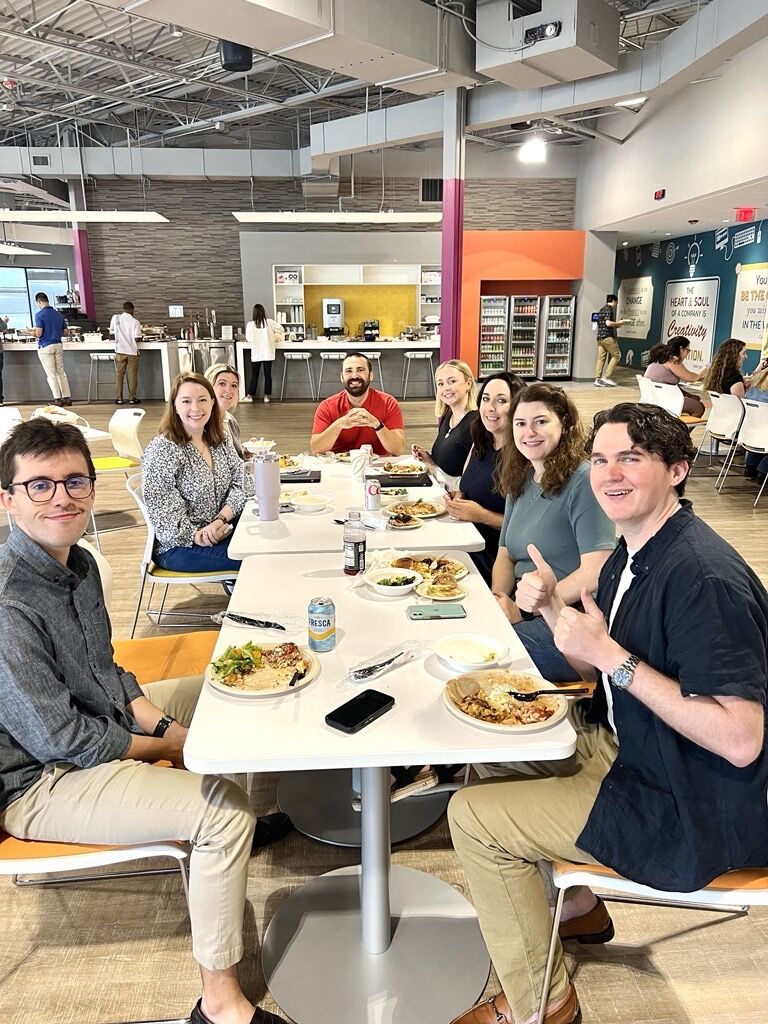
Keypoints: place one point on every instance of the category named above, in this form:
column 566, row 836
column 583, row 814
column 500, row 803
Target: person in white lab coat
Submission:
column 262, row 334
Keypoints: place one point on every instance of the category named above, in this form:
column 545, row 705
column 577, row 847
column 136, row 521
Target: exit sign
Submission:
column 744, row 214
column 660, row 193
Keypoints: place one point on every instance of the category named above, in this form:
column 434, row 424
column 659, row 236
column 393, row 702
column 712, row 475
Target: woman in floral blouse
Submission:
column 192, row 481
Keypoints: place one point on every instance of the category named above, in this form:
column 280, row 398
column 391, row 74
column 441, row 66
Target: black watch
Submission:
column 162, row 726
column 380, row 427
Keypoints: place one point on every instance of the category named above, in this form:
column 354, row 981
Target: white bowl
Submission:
column 470, row 651
column 373, row 576
column 310, row 502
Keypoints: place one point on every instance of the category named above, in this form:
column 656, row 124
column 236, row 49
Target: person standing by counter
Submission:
column 127, row 330
column 262, row 334
column 4, row 321
column 49, row 327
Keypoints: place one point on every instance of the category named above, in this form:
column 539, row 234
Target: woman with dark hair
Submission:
column 262, row 334
column 666, row 365
column 724, row 375
column 550, row 504
column 478, row 499
column 192, row 481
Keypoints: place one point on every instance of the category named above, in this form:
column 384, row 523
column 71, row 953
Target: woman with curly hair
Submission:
column 724, row 375
column 549, row 504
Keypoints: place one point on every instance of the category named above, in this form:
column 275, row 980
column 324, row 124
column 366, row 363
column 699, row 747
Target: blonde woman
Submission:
column 455, row 412
column 226, row 384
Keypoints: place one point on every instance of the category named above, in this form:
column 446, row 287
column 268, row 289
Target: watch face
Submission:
column 621, row 678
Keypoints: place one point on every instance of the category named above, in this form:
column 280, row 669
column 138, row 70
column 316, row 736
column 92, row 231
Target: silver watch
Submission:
column 622, row 676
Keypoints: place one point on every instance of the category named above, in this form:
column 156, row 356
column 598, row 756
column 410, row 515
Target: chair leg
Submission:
column 162, row 605
column 282, row 386
column 432, row 378
column 381, row 375
column 90, row 378
column 726, row 467
column 138, row 604
column 762, row 488
column 406, row 374
column 320, row 377
column 554, row 941
column 95, row 530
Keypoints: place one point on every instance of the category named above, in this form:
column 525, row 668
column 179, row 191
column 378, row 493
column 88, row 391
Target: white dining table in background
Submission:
column 375, row 944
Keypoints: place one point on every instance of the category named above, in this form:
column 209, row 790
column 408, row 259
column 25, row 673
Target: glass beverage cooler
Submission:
column 556, row 337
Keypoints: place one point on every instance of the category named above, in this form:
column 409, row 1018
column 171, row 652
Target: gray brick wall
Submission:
column 194, row 260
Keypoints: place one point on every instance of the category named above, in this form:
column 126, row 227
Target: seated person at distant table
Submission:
column 358, row 414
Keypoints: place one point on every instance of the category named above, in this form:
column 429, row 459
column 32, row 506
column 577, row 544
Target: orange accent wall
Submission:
column 535, row 256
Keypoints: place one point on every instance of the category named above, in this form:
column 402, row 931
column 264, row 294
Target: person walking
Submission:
column 49, row 327
column 126, row 330
column 607, row 347
column 262, row 334
column 4, row 322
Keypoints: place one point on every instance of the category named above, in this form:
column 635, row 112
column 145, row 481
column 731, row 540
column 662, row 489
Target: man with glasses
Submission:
column 79, row 738
column 358, row 414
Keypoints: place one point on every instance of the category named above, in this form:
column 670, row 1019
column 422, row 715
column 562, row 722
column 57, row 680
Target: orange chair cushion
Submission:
column 36, row 849
column 744, row 878
column 153, row 658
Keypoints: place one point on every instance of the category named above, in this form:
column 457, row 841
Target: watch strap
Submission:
column 162, row 726
column 380, row 427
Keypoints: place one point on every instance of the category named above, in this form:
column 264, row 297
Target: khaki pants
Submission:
column 608, row 354
column 501, row 830
column 52, row 358
column 130, row 363
column 132, row 802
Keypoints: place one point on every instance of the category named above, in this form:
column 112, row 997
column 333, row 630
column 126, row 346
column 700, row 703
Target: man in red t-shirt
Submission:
column 358, row 415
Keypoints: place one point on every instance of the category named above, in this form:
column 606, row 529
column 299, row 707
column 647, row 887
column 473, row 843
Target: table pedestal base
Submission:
column 320, row 805
column 317, row 969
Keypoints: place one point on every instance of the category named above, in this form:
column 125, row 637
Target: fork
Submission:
column 530, row 695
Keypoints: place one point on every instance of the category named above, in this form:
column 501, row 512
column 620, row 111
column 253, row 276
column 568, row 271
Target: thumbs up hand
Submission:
column 535, row 589
column 584, row 635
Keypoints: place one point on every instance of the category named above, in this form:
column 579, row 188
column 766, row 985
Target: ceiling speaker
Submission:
column 235, row 57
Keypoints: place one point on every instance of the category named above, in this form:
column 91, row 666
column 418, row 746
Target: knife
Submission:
column 245, row 620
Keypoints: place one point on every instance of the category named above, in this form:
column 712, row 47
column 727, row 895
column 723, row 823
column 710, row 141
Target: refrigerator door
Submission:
column 523, row 332
column 494, row 321
column 556, row 337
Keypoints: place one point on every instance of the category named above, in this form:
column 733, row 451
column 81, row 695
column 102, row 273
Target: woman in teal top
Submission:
column 549, row 503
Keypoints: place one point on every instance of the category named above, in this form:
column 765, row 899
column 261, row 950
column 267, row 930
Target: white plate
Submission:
column 404, row 526
column 373, row 575
column 558, row 716
column 312, row 673
column 422, row 588
column 464, row 651
column 439, row 508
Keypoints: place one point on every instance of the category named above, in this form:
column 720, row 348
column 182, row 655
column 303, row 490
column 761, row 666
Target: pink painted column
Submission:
column 454, row 120
column 83, row 270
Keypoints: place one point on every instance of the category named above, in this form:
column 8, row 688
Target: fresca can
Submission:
column 372, row 495
column 322, row 624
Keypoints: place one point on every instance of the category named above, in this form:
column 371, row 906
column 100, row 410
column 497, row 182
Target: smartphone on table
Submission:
column 425, row 612
column 363, row 709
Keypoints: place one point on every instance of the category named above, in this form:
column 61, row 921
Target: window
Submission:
column 52, row 282
column 18, row 287
column 431, row 190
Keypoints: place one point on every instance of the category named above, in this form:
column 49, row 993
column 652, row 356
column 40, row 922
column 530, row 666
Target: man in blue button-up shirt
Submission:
column 49, row 328
column 79, row 737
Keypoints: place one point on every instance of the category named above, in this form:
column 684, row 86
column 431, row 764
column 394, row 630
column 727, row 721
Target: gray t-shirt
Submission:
column 563, row 527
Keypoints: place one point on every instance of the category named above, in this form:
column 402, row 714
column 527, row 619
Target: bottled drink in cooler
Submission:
column 354, row 545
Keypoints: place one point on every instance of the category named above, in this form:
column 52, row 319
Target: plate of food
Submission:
column 392, row 582
column 403, row 468
column 468, row 652
column 429, row 565
column 482, row 699
column 262, row 670
column 394, row 492
column 419, row 508
column 310, row 502
column 402, row 521
column 342, row 456
column 291, row 463
column 442, row 586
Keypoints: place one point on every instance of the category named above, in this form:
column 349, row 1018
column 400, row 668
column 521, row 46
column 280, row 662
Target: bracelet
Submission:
column 380, row 427
column 222, row 518
column 162, row 726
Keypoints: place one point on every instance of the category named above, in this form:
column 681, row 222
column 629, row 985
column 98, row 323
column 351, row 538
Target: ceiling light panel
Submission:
column 19, row 250
column 337, row 217
column 82, row 216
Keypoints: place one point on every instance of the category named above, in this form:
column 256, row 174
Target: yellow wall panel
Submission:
column 395, row 306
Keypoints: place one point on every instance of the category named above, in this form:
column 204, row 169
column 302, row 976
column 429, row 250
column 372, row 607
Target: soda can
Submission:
column 372, row 495
column 321, row 624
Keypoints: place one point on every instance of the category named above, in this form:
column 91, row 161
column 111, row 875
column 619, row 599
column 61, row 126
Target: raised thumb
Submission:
column 589, row 605
column 537, row 558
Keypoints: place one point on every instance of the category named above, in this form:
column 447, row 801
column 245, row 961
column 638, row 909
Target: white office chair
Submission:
column 723, row 424
column 647, row 396
column 334, row 357
column 124, row 434
column 753, row 437
column 166, row 577
column 9, row 417
column 298, row 357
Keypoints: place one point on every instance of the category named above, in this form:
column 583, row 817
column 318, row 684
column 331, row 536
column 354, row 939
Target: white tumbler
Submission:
column 266, row 485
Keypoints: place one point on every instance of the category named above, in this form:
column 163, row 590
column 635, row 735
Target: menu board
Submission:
column 750, row 307
column 690, row 311
column 635, row 306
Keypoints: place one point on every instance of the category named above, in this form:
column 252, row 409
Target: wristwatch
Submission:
column 380, row 427
column 162, row 726
column 622, row 676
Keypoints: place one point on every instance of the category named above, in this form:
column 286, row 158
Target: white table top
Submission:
column 297, row 532
column 353, row 345
column 285, row 733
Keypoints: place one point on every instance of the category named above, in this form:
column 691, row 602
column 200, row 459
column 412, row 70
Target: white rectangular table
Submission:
column 419, row 935
column 297, row 532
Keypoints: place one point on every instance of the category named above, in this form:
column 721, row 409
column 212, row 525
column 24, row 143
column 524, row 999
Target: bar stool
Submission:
column 336, row 357
column 409, row 358
column 375, row 357
column 97, row 360
column 298, row 357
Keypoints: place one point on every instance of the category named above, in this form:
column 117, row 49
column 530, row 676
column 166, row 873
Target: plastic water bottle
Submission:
column 354, row 545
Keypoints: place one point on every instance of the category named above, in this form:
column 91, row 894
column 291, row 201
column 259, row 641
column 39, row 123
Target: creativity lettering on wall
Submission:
column 750, row 306
column 635, row 306
column 690, row 311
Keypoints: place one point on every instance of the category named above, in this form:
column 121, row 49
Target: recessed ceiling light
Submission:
column 83, row 216
column 636, row 102
column 667, row 234
column 533, row 151
column 337, row 217
column 726, row 222
column 625, row 243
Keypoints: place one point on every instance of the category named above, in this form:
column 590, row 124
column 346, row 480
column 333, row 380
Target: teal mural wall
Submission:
column 712, row 254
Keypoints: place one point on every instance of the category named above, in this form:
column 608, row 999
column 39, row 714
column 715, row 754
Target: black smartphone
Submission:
column 363, row 709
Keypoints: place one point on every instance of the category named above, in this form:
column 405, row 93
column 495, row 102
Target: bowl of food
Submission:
column 256, row 445
column 309, row 502
column 392, row 582
column 469, row 651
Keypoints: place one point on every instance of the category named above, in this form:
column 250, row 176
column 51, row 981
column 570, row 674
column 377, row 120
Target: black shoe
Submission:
column 749, row 473
column 270, row 828
column 66, row 401
column 118, row 401
column 135, row 401
column 260, row 1016
column 58, row 401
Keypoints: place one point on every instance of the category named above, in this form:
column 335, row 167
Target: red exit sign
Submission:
column 744, row 214
column 660, row 193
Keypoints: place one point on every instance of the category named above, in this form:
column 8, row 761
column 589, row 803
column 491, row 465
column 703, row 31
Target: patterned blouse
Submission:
column 182, row 494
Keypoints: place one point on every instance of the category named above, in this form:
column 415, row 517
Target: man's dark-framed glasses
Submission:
column 41, row 489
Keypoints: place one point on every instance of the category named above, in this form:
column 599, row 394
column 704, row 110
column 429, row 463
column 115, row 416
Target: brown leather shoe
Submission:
column 496, row 1011
column 592, row 928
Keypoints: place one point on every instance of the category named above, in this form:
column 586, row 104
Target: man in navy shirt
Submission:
column 49, row 327
column 668, row 782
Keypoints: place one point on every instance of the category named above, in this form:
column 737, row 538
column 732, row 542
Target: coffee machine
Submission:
column 333, row 316
column 371, row 330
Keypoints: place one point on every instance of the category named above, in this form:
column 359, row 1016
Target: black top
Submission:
column 608, row 312
column 451, row 446
column 477, row 485
column 729, row 379
column 669, row 813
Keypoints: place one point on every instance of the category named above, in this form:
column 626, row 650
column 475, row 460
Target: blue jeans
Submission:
column 537, row 639
column 755, row 462
column 198, row 559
